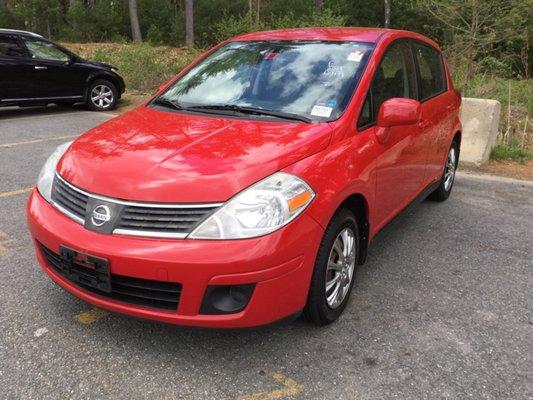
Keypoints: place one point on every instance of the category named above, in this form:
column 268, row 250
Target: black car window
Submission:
column 45, row 51
column 10, row 47
column 395, row 77
column 431, row 69
column 365, row 117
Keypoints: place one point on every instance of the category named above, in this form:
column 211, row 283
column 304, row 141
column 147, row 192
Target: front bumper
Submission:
column 280, row 265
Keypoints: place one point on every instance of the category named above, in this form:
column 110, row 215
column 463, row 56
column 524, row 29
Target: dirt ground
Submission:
column 508, row 169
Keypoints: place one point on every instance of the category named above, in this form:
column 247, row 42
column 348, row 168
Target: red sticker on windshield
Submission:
column 271, row 56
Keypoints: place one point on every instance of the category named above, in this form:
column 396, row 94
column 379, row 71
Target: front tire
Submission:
column 102, row 95
column 335, row 267
column 448, row 176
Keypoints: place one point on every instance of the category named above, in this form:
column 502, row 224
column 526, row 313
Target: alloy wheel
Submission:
column 451, row 166
column 340, row 269
column 102, row 96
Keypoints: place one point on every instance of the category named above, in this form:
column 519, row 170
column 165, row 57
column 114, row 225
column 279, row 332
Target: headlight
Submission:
column 46, row 176
column 262, row 208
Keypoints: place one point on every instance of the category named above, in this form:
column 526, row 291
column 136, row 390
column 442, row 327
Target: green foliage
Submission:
column 103, row 21
column 233, row 25
column 143, row 66
column 511, row 152
column 325, row 17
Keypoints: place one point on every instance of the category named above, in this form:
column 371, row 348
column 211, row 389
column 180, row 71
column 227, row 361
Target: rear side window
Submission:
column 10, row 47
column 395, row 77
column 432, row 79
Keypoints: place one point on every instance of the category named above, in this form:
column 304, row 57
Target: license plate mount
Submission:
column 85, row 269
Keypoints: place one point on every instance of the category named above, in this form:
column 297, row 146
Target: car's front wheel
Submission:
column 334, row 272
column 102, row 95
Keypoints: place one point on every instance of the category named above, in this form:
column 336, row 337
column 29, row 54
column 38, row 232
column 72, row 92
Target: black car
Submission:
column 36, row 71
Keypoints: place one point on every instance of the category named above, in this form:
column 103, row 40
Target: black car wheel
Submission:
column 335, row 267
column 102, row 95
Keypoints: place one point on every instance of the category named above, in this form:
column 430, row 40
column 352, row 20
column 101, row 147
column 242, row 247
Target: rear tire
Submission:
column 448, row 176
column 102, row 95
column 334, row 270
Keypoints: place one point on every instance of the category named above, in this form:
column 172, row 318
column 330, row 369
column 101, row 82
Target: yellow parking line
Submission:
column 15, row 192
column 3, row 236
column 9, row 145
column 290, row 388
column 88, row 317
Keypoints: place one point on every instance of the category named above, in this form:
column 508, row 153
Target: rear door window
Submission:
column 10, row 47
column 431, row 70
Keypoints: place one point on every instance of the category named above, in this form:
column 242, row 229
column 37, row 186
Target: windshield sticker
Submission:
column 320, row 110
column 331, row 103
column 334, row 70
column 355, row 56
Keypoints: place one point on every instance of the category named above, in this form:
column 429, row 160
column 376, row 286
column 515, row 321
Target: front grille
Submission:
column 179, row 220
column 132, row 218
column 69, row 199
column 141, row 292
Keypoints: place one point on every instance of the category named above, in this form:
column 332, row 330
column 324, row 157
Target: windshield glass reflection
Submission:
column 313, row 79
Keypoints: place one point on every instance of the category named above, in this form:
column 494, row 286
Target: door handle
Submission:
column 40, row 67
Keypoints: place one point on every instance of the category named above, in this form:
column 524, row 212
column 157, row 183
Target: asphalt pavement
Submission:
column 443, row 309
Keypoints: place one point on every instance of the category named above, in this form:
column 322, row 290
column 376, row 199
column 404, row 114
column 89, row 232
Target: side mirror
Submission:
column 396, row 112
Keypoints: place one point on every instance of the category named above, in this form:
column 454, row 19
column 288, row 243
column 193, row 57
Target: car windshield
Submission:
column 307, row 80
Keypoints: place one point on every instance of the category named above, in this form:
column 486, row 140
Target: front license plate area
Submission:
column 85, row 269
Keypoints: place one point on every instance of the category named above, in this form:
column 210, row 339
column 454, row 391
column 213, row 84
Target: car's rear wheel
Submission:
column 335, row 267
column 102, row 95
column 448, row 176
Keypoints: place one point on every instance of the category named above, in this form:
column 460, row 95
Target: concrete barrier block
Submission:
column 480, row 119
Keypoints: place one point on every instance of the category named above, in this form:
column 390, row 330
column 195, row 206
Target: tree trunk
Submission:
column 134, row 21
column 319, row 4
column 189, row 23
column 386, row 5
column 3, row 5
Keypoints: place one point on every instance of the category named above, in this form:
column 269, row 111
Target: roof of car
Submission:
column 370, row 35
column 17, row 32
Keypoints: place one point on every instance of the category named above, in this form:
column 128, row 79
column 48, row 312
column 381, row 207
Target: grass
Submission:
column 511, row 152
column 144, row 67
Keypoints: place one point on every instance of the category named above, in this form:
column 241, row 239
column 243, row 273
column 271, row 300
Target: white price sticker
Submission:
column 321, row 111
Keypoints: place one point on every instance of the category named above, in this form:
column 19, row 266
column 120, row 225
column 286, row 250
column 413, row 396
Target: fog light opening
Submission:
column 226, row 299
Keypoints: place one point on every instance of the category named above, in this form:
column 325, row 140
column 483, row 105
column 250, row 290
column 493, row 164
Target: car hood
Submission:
column 98, row 64
column 159, row 156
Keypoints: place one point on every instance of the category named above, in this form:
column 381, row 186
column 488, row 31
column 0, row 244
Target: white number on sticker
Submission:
column 321, row 111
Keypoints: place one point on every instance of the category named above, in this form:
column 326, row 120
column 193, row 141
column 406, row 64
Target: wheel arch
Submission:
column 358, row 205
column 457, row 136
column 106, row 77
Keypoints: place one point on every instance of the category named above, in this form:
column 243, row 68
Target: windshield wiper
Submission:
column 252, row 110
column 161, row 101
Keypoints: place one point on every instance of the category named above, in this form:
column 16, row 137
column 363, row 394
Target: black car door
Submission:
column 15, row 70
column 54, row 72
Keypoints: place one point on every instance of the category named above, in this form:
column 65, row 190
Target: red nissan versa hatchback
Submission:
column 248, row 188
